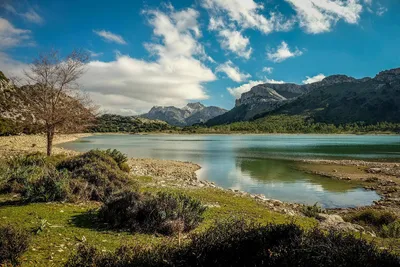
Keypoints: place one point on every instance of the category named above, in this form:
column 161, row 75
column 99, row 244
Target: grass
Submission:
column 68, row 224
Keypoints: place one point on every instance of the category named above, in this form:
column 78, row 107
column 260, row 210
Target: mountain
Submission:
column 368, row 100
column 192, row 113
column 335, row 99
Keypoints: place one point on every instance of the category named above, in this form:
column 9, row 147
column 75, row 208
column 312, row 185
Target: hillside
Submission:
column 192, row 113
column 365, row 100
column 337, row 99
column 129, row 124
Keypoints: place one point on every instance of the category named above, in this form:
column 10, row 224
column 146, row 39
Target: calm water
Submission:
column 259, row 163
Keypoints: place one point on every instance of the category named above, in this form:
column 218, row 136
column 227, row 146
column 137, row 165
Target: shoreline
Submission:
column 370, row 175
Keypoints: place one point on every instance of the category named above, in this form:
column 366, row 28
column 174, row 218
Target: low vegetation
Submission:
column 312, row 211
column 240, row 243
column 162, row 213
column 384, row 223
column 295, row 124
column 13, row 243
column 94, row 175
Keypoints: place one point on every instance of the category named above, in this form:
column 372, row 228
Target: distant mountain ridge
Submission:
column 192, row 113
column 323, row 100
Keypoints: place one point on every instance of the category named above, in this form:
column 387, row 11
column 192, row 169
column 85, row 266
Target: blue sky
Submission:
column 152, row 52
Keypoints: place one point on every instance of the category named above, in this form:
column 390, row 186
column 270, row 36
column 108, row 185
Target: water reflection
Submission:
column 257, row 164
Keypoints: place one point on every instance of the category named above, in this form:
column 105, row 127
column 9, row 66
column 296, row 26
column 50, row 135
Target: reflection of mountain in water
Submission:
column 270, row 170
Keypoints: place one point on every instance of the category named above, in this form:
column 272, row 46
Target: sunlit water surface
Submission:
column 259, row 163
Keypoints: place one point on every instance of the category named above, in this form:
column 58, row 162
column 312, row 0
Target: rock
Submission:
column 336, row 222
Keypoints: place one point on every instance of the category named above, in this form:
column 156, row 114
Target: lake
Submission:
column 261, row 163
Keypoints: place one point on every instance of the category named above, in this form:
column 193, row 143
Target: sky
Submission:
column 151, row 52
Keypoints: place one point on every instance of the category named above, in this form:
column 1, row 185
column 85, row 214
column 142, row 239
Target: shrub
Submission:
column 375, row 218
column 13, row 243
column 163, row 213
column 238, row 243
column 118, row 156
column 99, row 172
column 52, row 186
column 312, row 211
column 391, row 230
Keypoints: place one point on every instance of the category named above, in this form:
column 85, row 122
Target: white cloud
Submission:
column 233, row 72
column 381, row 10
column 268, row 69
column 94, row 54
column 130, row 86
column 110, row 37
column 235, row 42
column 11, row 36
column 238, row 91
column 314, row 79
column 229, row 18
column 282, row 53
column 248, row 14
column 317, row 16
column 31, row 15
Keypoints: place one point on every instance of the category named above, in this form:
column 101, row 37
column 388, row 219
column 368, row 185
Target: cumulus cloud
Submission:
column 248, row 14
column 268, row 70
column 229, row 18
column 110, row 37
column 282, row 52
column 317, row 16
column 238, row 91
column 233, row 72
column 31, row 15
column 235, row 42
column 314, row 79
column 131, row 86
column 11, row 36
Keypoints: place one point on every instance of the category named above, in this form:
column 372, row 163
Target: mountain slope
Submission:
column 336, row 99
column 268, row 97
column 192, row 113
column 364, row 100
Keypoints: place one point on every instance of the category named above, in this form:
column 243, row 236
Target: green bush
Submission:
column 101, row 173
column 163, row 213
column 52, row 186
column 118, row 156
column 13, row 243
column 312, row 211
column 238, row 243
column 391, row 230
column 94, row 175
column 375, row 218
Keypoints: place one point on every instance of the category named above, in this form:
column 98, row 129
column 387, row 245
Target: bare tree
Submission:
column 52, row 96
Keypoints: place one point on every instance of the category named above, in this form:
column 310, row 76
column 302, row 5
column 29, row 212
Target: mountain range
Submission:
column 192, row 113
column 336, row 99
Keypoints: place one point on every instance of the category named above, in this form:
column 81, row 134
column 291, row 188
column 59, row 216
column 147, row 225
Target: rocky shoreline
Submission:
column 380, row 176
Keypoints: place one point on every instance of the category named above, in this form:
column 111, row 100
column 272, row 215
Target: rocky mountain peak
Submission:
column 388, row 75
column 194, row 107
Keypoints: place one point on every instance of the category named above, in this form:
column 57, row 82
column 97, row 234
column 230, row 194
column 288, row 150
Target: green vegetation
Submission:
column 295, row 124
column 312, row 211
column 13, row 243
column 94, row 175
column 110, row 123
column 164, row 213
column 240, row 243
column 61, row 229
column 384, row 223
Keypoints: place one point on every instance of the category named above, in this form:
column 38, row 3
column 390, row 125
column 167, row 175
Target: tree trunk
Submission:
column 50, row 136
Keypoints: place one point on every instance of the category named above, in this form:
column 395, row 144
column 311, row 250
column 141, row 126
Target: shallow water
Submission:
column 259, row 163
